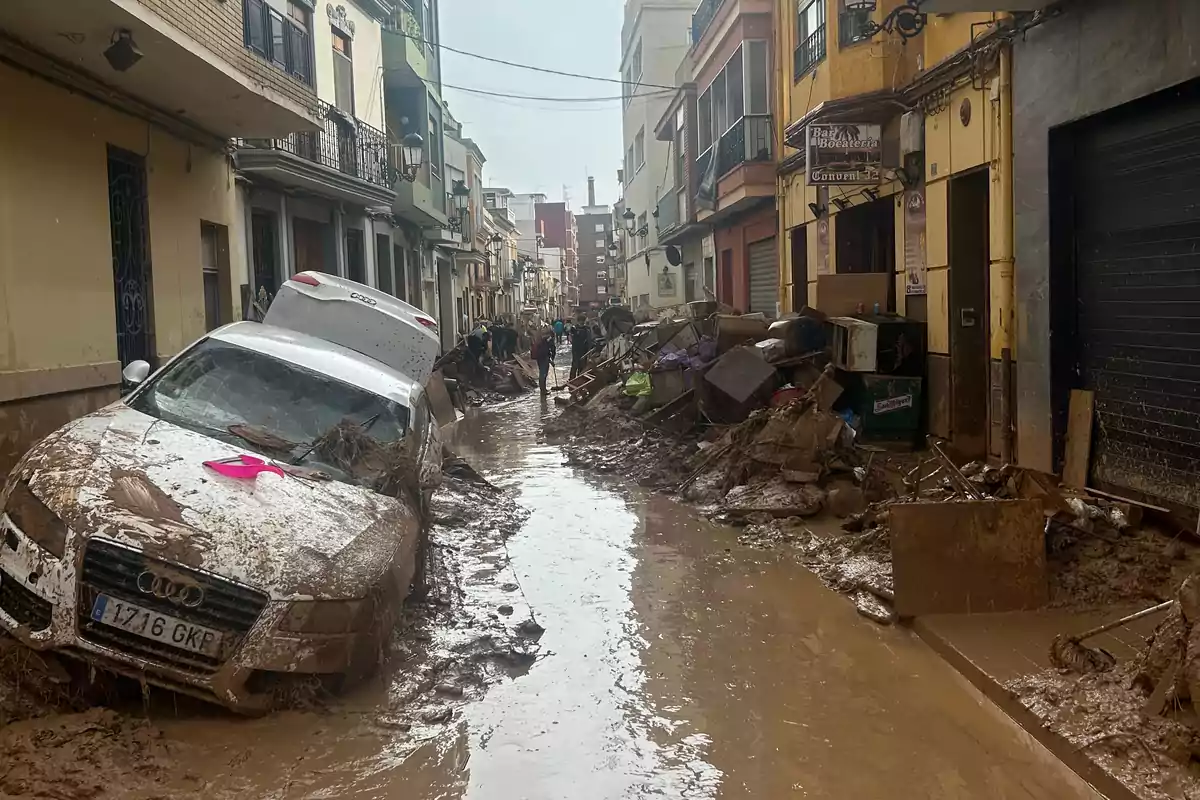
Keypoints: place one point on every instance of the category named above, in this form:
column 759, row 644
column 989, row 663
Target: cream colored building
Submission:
column 121, row 232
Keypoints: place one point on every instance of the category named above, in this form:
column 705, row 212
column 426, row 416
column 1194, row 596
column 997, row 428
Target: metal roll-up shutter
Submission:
column 764, row 277
column 1136, row 179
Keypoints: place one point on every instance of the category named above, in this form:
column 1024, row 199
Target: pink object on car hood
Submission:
column 243, row 467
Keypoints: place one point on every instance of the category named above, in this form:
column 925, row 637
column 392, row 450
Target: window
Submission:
column 629, row 165
column 435, row 147
column 343, row 72
column 599, row 259
column 600, row 244
column 704, row 121
column 757, row 80
column 600, row 228
column 735, row 83
column 633, row 74
column 852, row 25
column 602, row 289
column 810, row 35
column 639, row 149
column 285, row 41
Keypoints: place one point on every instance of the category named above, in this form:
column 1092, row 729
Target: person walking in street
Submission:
column 581, row 345
column 559, row 327
column 543, row 353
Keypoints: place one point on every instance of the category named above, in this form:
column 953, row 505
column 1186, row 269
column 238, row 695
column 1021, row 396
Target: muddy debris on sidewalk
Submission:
column 78, row 733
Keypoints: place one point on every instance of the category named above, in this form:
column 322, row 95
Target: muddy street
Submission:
column 674, row 663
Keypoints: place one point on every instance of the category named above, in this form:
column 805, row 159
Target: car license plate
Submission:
column 156, row 626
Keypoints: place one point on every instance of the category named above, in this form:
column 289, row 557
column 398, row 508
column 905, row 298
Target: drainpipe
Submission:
column 1002, row 337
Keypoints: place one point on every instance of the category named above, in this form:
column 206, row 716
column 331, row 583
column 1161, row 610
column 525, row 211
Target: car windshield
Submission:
column 250, row 399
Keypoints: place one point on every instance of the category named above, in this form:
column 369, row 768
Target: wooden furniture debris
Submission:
column 968, row 557
column 1079, row 438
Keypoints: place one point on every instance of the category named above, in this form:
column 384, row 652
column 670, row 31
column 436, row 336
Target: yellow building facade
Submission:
column 943, row 204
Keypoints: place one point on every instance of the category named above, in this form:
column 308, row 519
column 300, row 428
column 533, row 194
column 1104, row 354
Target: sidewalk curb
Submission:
column 1058, row 746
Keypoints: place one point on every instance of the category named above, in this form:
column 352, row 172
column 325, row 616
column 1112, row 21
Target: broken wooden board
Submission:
column 976, row 556
column 1079, row 438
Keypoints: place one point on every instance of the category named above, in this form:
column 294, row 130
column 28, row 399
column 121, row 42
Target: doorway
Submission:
column 356, row 262
column 969, row 356
column 312, row 241
column 130, row 227
column 799, row 267
column 725, row 292
column 264, row 252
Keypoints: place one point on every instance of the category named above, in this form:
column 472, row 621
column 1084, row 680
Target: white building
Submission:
column 654, row 40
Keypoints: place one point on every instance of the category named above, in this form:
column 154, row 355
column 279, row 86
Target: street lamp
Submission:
column 497, row 244
column 461, row 196
column 630, row 220
column 412, row 154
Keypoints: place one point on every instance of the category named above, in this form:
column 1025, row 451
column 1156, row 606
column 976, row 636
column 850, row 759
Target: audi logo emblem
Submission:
column 368, row 300
column 188, row 595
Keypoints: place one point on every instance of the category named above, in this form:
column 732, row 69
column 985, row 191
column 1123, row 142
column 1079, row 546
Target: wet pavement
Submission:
column 674, row 664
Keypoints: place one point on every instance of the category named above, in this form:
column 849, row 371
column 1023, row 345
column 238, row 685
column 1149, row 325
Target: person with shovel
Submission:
column 543, row 353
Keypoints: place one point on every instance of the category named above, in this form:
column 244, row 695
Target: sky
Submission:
column 534, row 146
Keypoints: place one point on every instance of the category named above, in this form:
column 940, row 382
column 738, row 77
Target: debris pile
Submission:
column 772, row 428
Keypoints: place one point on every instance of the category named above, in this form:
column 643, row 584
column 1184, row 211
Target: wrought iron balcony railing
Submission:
column 748, row 140
column 346, row 144
column 810, row 52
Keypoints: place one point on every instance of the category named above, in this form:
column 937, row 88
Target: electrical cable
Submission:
column 546, row 70
column 489, row 93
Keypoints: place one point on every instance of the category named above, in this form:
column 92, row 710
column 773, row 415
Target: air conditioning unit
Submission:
column 912, row 133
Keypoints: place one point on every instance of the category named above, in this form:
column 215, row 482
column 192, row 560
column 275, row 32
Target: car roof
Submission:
column 321, row 356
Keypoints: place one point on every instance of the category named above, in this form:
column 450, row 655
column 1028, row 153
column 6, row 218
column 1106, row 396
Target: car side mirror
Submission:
column 135, row 373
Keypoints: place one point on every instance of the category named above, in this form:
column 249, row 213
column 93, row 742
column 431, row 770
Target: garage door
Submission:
column 764, row 277
column 1137, row 255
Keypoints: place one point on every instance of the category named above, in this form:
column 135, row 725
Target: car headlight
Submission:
column 325, row 616
column 35, row 520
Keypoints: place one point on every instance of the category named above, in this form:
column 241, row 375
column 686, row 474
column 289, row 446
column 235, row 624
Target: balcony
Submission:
column 745, row 169
column 705, row 13
column 749, row 140
column 194, row 64
column 809, row 52
column 347, row 159
column 666, row 215
column 407, row 60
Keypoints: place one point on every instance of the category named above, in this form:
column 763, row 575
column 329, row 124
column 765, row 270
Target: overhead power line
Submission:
column 533, row 68
column 511, row 96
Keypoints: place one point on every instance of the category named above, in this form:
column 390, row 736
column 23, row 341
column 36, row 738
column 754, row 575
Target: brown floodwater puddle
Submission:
column 674, row 664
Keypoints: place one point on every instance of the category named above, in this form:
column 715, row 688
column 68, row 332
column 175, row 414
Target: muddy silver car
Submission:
column 250, row 513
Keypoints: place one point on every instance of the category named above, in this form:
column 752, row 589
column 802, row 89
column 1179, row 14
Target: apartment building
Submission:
column 594, row 224
column 321, row 200
column 654, row 38
column 123, row 235
column 717, row 205
column 560, row 248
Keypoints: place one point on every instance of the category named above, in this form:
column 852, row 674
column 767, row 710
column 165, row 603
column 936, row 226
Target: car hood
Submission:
column 127, row 476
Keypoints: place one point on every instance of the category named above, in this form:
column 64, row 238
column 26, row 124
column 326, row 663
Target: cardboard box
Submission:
column 842, row 295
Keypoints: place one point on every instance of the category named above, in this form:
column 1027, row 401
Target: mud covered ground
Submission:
column 105, row 738
column 1102, row 715
column 853, row 555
